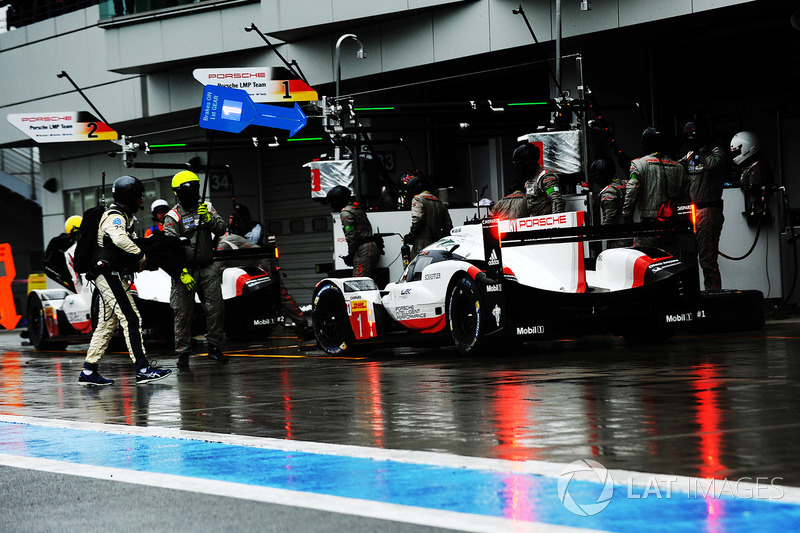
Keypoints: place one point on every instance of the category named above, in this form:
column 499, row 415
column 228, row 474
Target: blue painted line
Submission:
column 511, row 495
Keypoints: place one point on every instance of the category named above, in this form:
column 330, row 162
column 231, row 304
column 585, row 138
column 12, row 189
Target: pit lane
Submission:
column 720, row 406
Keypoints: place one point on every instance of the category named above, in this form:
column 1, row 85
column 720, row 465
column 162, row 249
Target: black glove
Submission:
column 348, row 259
column 408, row 239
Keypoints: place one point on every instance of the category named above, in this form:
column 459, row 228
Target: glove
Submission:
column 142, row 263
column 202, row 212
column 408, row 239
column 348, row 259
column 187, row 280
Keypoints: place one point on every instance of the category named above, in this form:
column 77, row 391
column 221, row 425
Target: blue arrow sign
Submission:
column 232, row 110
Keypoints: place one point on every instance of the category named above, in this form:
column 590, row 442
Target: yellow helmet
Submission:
column 184, row 176
column 73, row 223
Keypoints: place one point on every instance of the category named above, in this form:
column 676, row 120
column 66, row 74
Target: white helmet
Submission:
column 743, row 145
column 158, row 203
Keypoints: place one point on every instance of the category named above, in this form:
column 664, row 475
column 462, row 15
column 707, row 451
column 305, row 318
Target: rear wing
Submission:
column 564, row 228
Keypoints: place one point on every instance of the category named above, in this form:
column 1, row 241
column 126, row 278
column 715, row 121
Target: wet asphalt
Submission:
column 721, row 405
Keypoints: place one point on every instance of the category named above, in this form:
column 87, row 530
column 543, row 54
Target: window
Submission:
column 77, row 201
column 297, row 226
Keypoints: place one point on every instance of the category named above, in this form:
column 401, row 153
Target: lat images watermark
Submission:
column 588, row 499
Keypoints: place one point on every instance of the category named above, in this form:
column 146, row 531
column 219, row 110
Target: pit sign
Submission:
column 270, row 84
column 64, row 126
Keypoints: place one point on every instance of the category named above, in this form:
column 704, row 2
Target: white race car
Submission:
column 528, row 279
column 252, row 299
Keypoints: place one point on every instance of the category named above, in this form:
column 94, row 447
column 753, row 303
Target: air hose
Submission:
column 753, row 247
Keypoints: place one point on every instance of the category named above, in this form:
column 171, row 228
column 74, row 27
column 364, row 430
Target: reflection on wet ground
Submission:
column 706, row 406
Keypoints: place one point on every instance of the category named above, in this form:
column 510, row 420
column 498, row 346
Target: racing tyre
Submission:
column 37, row 328
column 330, row 321
column 464, row 316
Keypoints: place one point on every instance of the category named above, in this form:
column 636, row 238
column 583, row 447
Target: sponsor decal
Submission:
column 405, row 292
column 436, row 275
column 406, row 312
column 496, row 313
column 538, row 222
column 263, row 321
column 530, row 330
column 661, row 265
column 236, row 75
column 493, row 261
column 358, row 305
column 494, row 288
column 680, row 317
column 117, row 221
column 68, row 118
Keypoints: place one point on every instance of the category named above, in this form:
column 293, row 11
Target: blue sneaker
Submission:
column 150, row 373
column 94, row 378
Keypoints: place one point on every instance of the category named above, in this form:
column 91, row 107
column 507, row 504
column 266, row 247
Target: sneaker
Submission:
column 94, row 379
column 149, row 373
column 216, row 354
column 183, row 361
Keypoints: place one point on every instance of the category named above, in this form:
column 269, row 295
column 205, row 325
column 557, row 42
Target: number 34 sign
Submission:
column 220, row 182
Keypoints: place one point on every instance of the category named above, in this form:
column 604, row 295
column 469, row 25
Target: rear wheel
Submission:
column 37, row 327
column 464, row 316
column 330, row 321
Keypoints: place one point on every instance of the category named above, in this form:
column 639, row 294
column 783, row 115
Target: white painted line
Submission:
column 306, row 500
column 680, row 484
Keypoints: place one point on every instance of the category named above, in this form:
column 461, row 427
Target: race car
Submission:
column 526, row 279
column 251, row 294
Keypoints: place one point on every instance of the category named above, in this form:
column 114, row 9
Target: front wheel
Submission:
column 464, row 316
column 330, row 321
column 37, row 327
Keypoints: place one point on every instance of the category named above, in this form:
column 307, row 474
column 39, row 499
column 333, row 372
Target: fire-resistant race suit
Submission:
column 612, row 198
column 755, row 180
column 120, row 254
column 430, row 221
column 199, row 250
column 655, row 179
column 362, row 250
column 543, row 194
column 705, row 170
column 513, row 205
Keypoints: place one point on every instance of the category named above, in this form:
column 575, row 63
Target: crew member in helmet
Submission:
column 542, row 187
column 55, row 260
column 363, row 252
column 512, row 205
column 240, row 223
column 655, row 180
column 159, row 209
column 430, row 218
column 118, row 256
column 611, row 197
column 199, row 225
column 756, row 177
column 705, row 168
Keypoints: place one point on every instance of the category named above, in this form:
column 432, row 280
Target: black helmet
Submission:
column 242, row 212
column 652, row 140
column 602, row 170
column 526, row 158
column 239, row 221
column 128, row 192
column 338, row 197
column 694, row 133
column 415, row 185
